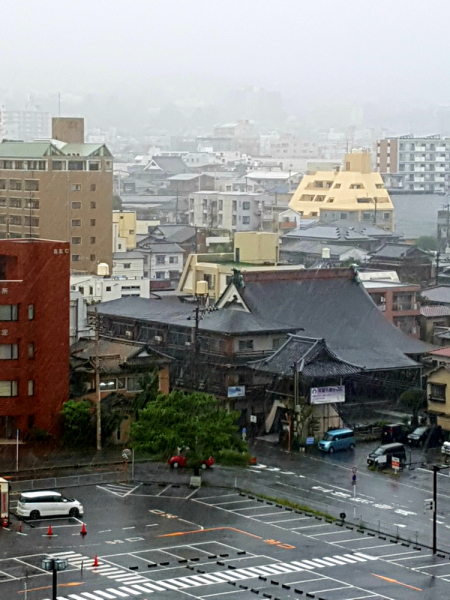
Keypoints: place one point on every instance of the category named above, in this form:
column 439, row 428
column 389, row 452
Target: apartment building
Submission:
column 415, row 164
column 59, row 189
column 26, row 125
column 34, row 334
column 354, row 193
column 124, row 230
column 233, row 211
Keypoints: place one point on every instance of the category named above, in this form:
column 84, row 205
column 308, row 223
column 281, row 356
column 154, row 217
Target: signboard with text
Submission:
column 4, row 503
column 328, row 395
column 236, row 391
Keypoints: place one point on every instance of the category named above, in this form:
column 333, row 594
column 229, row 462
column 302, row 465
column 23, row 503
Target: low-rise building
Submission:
column 355, row 193
column 162, row 260
column 124, row 230
column 410, row 262
column 309, row 253
column 438, row 396
column 434, row 319
column 95, row 289
column 129, row 264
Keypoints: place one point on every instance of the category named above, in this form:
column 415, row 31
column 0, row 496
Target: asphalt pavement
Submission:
column 171, row 541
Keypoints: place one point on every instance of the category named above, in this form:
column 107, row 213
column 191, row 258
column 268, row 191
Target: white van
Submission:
column 47, row 504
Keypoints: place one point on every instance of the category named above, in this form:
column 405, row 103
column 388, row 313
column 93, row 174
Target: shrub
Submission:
column 232, row 458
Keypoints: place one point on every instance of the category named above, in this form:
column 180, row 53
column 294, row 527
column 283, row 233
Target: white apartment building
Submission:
column 415, row 164
column 162, row 260
column 94, row 288
column 128, row 264
column 234, row 211
column 283, row 145
column 27, row 125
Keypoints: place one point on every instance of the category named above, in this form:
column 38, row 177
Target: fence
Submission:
column 68, row 481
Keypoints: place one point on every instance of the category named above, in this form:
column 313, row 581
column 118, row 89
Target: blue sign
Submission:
column 309, row 441
column 354, row 478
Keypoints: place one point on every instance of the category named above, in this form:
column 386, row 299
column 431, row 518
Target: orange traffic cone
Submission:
column 83, row 530
column 49, row 532
column 95, row 561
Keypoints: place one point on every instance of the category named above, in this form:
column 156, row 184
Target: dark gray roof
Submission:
column 342, row 230
column 176, row 234
column 311, row 357
column 163, row 247
column 339, row 310
column 398, row 251
column 170, row 311
column 439, row 294
column 171, row 165
column 309, row 247
column 127, row 254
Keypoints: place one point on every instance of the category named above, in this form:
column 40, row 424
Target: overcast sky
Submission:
column 313, row 50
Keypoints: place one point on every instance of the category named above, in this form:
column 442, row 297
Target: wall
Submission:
column 256, row 247
column 68, row 129
column 126, row 221
column 441, row 376
column 40, row 277
column 136, row 268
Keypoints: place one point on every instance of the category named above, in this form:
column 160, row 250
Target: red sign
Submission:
column 4, row 504
column 395, row 462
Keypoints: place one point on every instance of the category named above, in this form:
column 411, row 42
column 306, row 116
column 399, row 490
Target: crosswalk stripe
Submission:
column 302, row 565
column 334, row 560
column 117, row 592
column 168, row 585
column 91, row 596
column 365, row 556
column 142, row 589
column 152, row 585
column 280, row 569
column 130, row 591
column 347, row 560
column 104, row 594
column 77, row 597
column 358, row 558
column 313, row 564
column 326, row 563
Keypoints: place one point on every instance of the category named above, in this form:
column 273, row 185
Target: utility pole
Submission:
column 435, row 472
column 438, row 255
column 98, row 406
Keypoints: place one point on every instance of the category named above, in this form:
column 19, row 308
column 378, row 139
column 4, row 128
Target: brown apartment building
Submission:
column 59, row 189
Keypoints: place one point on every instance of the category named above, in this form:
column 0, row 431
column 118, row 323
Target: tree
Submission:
column 193, row 422
column 78, row 423
column 414, row 399
column 428, row 243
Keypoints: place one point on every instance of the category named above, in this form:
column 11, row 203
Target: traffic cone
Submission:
column 95, row 561
column 83, row 530
column 5, row 522
column 49, row 532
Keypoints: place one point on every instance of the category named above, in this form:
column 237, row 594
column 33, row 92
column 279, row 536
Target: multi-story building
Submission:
column 102, row 289
column 283, row 145
column 59, row 189
column 124, row 230
column 415, row 164
column 233, row 211
column 355, row 193
column 34, row 334
column 27, row 125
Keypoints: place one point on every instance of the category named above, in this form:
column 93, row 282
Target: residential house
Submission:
column 123, row 366
column 129, row 264
column 162, row 260
column 309, row 253
column 186, row 183
column 354, row 193
column 439, row 294
column 434, row 319
column 438, row 396
column 187, row 237
column 410, row 262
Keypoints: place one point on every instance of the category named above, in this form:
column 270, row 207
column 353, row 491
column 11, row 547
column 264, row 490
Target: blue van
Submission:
column 337, row 439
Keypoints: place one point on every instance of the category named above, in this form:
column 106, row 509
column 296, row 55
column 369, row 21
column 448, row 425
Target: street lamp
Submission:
column 431, row 504
column 54, row 565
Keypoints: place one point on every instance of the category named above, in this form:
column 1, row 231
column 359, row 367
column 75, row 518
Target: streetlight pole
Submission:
column 435, row 472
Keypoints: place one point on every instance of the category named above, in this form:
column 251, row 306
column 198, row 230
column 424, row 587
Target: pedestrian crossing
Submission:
column 117, row 574
column 119, row 489
column 260, row 572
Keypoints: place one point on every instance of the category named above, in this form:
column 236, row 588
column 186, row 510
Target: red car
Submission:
column 181, row 461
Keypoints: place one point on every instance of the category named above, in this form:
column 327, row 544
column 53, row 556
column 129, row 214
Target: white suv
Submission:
column 45, row 504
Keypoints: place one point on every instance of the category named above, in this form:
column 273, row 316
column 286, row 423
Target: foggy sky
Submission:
column 309, row 50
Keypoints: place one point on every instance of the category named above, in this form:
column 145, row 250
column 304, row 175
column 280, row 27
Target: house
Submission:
column 308, row 253
column 439, row 294
column 438, row 396
column 432, row 320
column 123, row 366
column 187, row 237
column 185, row 183
column 124, row 230
column 163, row 167
column 410, row 262
column 128, row 264
column 309, row 364
column 162, row 260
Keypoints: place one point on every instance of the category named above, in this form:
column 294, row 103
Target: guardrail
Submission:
column 67, row 481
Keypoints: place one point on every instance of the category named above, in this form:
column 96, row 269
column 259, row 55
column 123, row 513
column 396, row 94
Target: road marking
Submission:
column 178, row 533
column 389, row 580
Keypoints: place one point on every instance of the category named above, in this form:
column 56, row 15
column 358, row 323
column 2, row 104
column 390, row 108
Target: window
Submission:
column 173, row 260
column 127, row 265
column 8, row 312
column 245, row 344
column 246, row 206
column 76, row 205
column 9, row 351
column 76, row 222
column 15, row 184
column 15, row 202
column 160, row 259
column 108, row 165
column 437, row 392
column 32, row 221
column 31, row 350
column 76, row 240
column 343, row 215
column 379, row 186
column 32, row 204
column 108, row 384
column 76, row 165
column 75, row 187
column 92, row 223
column 91, row 290
column 30, row 312
column 337, row 186
column 15, row 220
column 8, row 389
column 92, row 257
column 93, row 205
column 93, row 187
column 246, row 220
column 134, row 384
column 58, row 165
column 92, row 240
column 386, row 216
column 30, row 387
column 160, row 275
column 2, row 184
column 31, row 185
column 3, row 201
column 76, row 258
column 108, row 288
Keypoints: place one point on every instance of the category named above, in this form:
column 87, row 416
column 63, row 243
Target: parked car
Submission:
column 395, row 432
column 382, row 456
column 432, row 436
column 337, row 439
column 181, row 461
column 34, row 505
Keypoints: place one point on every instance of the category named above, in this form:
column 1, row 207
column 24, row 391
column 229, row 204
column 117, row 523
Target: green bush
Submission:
column 36, row 434
column 232, row 458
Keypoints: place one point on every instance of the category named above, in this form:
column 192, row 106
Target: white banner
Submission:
column 236, row 391
column 328, row 395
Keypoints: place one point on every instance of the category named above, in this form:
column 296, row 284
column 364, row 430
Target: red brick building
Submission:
column 34, row 333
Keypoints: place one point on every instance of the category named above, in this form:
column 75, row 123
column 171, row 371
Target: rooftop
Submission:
column 439, row 294
column 441, row 352
column 398, row 251
column 435, row 311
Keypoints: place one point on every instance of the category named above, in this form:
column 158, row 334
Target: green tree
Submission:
column 78, row 418
column 427, row 242
column 194, row 422
column 415, row 400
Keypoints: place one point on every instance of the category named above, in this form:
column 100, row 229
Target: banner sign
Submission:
column 236, row 391
column 328, row 395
